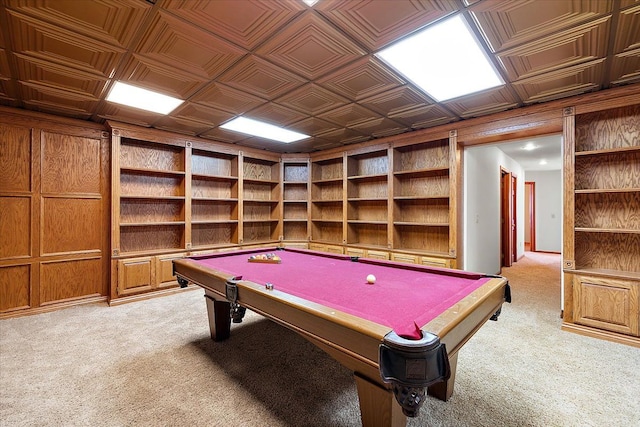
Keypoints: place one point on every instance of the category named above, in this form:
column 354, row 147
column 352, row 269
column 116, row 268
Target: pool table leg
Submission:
column 443, row 390
column 378, row 406
column 219, row 313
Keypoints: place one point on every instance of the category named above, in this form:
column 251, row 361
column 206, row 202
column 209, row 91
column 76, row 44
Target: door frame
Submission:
column 531, row 214
column 508, row 224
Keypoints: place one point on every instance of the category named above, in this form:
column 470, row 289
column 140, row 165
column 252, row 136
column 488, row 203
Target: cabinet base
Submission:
column 600, row 334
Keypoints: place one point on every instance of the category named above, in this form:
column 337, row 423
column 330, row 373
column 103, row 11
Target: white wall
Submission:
column 548, row 200
column 481, row 215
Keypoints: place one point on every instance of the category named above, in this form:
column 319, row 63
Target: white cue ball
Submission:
column 371, row 279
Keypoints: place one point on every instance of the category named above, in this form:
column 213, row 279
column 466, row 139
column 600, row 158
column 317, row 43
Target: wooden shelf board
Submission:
column 260, row 181
column 421, row 224
column 256, row 221
column 327, row 181
column 295, row 201
column 215, row 221
column 327, row 201
column 364, row 222
column 150, row 252
column 150, row 224
column 368, row 199
column 376, row 177
column 144, row 171
column 327, row 220
column 606, row 190
column 144, row 197
column 214, row 199
column 632, row 275
column 412, row 198
column 256, row 201
column 213, row 177
column 299, row 183
column 421, row 172
column 607, row 230
column 607, row 151
column 301, row 220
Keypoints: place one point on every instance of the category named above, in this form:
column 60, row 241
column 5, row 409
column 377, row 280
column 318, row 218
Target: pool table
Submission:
column 399, row 332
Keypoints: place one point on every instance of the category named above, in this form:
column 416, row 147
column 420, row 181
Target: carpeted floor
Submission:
column 151, row 363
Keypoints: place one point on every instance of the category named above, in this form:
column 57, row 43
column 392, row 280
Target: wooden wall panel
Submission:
column 15, row 227
column 70, row 164
column 64, row 280
column 14, row 287
column 15, row 158
column 70, row 225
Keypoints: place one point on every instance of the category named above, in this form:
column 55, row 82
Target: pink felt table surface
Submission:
column 404, row 297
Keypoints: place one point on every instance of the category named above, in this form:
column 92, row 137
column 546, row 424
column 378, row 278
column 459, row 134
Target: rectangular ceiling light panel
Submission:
column 445, row 60
column 148, row 100
column 263, row 130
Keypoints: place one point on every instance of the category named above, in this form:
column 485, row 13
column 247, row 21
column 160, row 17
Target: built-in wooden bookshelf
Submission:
column 327, row 199
column 295, row 199
column 152, row 197
column 260, row 200
column 368, row 198
column 421, row 199
column 603, row 231
column 214, row 199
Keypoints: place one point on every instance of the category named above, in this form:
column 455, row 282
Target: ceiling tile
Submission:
column 180, row 125
column 149, row 74
column 626, row 68
column 344, row 136
column 361, row 79
column 395, row 100
column 628, row 34
column 56, row 76
column 257, row 76
column 5, row 73
column 275, row 114
column 113, row 22
column 507, row 23
column 570, row 47
column 380, row 127
column 245, row 23
column 223, row 135
column 423, row 117
column 480, row 104
column 567, row 82
column 312, row 99
column 204, row 115
column 349, row 115
column 310, row 47
column 122, row 113
column 314, row 126
column 228, row 99
column 54, row 100
column 377, row 23
column 178, row 44
column 47, row 43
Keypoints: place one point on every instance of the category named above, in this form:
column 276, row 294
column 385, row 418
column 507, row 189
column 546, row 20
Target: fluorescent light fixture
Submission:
column 445, row 60
column 132, row 96
column 263, row 130
column 310, row 3
column 530, row 146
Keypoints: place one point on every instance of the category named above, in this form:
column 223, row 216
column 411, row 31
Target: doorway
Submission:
column 530, row 216
column 508, row 220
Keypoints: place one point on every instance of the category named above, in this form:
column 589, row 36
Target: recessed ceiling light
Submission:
column 530, row 146
column 310, row 3
column 543, row 162
column 132, row 96
column 263, row 130
column 445, row 60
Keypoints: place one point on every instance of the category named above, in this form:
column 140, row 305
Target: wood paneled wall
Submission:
column 54, row 214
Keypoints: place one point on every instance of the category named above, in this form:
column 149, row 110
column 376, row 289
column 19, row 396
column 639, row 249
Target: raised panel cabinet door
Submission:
column 377, row 254
column 605, row 303
column 164, row 270
column 434, row 262
column 411, row 259
column 135, row 275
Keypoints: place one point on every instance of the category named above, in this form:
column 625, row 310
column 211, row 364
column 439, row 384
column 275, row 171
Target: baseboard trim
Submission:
column 52, row 307
column 600, row 334
column 148, row 295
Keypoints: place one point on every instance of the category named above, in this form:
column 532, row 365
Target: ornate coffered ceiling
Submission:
column 311, row 69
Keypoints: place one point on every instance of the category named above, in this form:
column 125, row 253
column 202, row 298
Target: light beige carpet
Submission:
column 151, row 363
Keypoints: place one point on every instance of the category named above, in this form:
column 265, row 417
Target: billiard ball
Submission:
column 371, row 279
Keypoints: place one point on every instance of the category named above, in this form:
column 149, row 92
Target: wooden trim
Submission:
column 532, row 214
